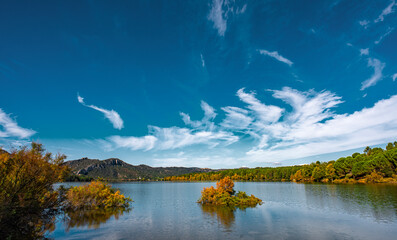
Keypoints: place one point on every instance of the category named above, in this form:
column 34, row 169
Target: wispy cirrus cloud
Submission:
column 11, row 128
column 202, row 60
column 276, row 56
column 206, row 122
column 368, row 126
column 220, row 12
column 389, row 30
column 266, row 113
column 172, row 138
column 388, row 10
column 236, row 118
column 175, row 137
column 312, row 127
column 376, row 76
column 218, row 17
column 198, row 132
column 309, row 127
column 394, row 77
column 308, row 107
column 111, row 115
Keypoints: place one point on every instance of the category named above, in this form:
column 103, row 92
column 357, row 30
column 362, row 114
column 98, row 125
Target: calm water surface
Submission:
column 165, row 210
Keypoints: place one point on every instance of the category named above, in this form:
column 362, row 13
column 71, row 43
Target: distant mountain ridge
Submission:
column 114, row 168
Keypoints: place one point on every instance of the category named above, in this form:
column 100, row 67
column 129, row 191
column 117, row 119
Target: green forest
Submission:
column 374, row 165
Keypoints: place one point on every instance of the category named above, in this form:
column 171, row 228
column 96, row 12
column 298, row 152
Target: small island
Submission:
column 224, row 195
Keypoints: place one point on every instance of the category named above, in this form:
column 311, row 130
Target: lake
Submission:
column 168, row 210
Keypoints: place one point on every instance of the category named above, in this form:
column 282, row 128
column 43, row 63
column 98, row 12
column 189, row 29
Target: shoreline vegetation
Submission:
column 29, row 204
column 374, row 165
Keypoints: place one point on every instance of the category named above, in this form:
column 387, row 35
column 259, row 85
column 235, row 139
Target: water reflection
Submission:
column 290, row 211
column 26, row 222
column 373, row 201
column 91, row 218
column 224, row 215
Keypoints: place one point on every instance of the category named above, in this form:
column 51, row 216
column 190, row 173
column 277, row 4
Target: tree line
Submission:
column 374, row 165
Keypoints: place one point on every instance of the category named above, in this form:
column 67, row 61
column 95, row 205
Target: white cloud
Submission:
column 364, row 51
column 266, row 113
column 173, row 138
column 266, row 122
column 196, row 161
column 202, row 60
column 236, row 118
column 11, row 128
column 220, row 12
column 216, row 15
column 202, row 131
column 389, row 30
column 309, row 128
column 276, row 56
column 369, row 126
column 388, row 10
column 394, row 77
column 308, row 107
column 378, row 68
column 111, row 115
column 206, row 122
column 364, row 23
column 134, row 143
column 242, row 10
column 80, row 99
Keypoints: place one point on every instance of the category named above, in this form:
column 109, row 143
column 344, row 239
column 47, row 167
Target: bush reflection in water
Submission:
column 91, row 218
column 224, row 215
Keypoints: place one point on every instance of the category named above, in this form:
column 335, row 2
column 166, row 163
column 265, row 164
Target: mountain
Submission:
column 116, row 169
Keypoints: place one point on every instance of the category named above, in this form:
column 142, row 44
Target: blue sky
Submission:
column 217, row 84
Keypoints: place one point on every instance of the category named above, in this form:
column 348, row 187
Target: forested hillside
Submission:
column 115, row 169
column 373, row 165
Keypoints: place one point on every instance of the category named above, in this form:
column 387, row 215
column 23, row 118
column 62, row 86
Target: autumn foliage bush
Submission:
column 28, row 201
column 95, row 195
column 224, row 195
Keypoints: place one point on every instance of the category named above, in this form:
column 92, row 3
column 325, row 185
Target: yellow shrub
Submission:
column 96, row 195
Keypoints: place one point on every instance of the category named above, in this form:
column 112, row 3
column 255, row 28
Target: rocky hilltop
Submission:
column 116, row 169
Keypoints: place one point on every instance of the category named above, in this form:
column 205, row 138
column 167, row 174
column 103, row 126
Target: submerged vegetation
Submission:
column 29, row 203
column 374, row 165
column 224, row 195
column 95, row 195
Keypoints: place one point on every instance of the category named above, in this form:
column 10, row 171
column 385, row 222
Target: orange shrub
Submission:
column 223, row 195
